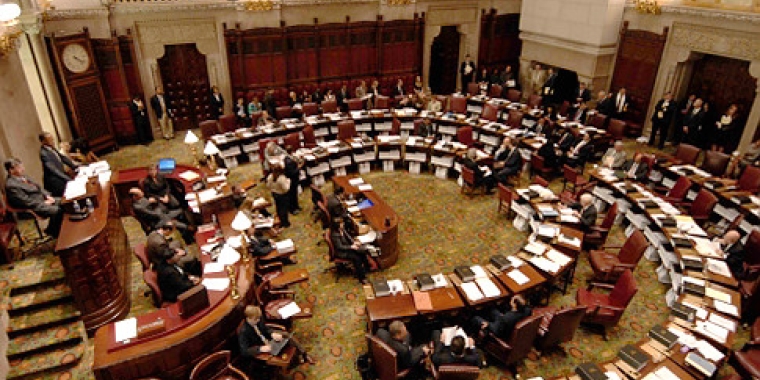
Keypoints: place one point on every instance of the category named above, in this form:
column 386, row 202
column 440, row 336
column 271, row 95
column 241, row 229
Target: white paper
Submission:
column 367, row 238
column 611, row 375
column 472, row 291
column 356, row 181
column 519, row 277
column 535, row 248
column 718, row 267
column 723, row 322
column 228, row 256
column 75, row 188
column 213, row 267
column 545, row 264
column 365, row 187
column 568, row 218
column 189, row 175
column 488, row 287
column 440, row 280
column 712, row 330
column 695, row 281
column 558, row 257
column 726, row 308
column 575, row 242
column 289, row 310
column 718, row 295
column 216, row 178
column 699, row 312
column 478, row 271
column 395, row 286
column 216, row 284
column 285, row 246
column 666, row 374
column 448, row 333
column 125, row 329
column 548, row 231
column 515, row 261
column 708, row 351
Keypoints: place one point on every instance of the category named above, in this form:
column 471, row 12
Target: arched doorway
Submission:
column 186, row 84
column 444, row 60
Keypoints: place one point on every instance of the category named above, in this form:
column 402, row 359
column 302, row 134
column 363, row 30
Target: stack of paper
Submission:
column 472, row 291
column 216, row 284
column 519, row 277
column 717, row 295
column 545, row 264
column 125, row 329
column 535, row 248
column 708, row 351
column 395, row 286
column 289, row 310
column 712, row 330
column 723, row 322
column 488, row 287
column 718, row 267
column 285, row 246
column 573, row 241
column 365, row 187
column 726, row 308
column 356, row 181
column 212, row 267
column 558, row 257
column 448, row 333
column 478, row 271
column 189, row 175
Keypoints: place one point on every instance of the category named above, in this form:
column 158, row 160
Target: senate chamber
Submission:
column 380, row 189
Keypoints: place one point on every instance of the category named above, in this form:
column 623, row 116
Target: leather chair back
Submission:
column 514, row 95
column 495, row 91
column 609, row 219
column 570, row 174
column 633, row 248
column 228, row 123
column 150, row 277
column 490, row 112
column 417, row 126
column 522, row 338
column 750, row 179
column 458, row 104
column 309, row 139
column 382, row 103
column 284, row 112
column 564, row 108
column 324, row 216
column 473, row 88
column 142, row 256
column 310, row 109
column 650, row 160
column 395, row 127
column 317, row 195
column 537, row 163
column 687, row 154
column 597, row 120
column 715, row 162
column 624, row 290
column 680, row 189
column 457, row 372
column 346, row 129
column 562, row 327
column 752, row 249
column 255, row 116
column 703, row 204
column 216, row 367
column 514, row 120
column 505, row 194
column 616, row 129
column 464, row 136
column 534, row 101
column 468, row 176
column 355, row 104
column 292, row 140
column 329, row 106
column 383, row 358
column 208, row 129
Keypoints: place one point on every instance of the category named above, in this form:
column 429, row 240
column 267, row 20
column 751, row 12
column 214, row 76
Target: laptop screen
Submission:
column 166, row 165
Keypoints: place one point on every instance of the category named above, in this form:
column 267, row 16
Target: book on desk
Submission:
column 590, row 371
column 465, row 273
column 634, row 357
column 425, row 282
column 663, row 336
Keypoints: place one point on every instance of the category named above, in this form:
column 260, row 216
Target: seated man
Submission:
column 260, row 246
column 399, row 339
column 566, row 142
column 150, row 211
column 585, row 211
column 172, row 279
column 255, row 337
column 455, row 353
column 581, row 152
column 348, row 248
column 733, row 250
column 23, row 193
column 502, row 324
column 335, row 204
column 434, row 105
column 157, row 188
column 507, row 160
column 265, row 119
column 161, row 246
column 542, row 127
column 615, row 157
column 426, row 129
column 549, row 154
column 635, row 169
column 482, row 177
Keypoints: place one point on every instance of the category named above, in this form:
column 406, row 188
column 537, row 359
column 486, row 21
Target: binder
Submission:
column 465, row 273
column 701, row 364
column 668, row 222
column 682, row 242
column 500, row 262
column 682, row 311
column 694, row 289
column 424, row 282
column 664, row 336
column 634, row 357
column 590, row 371
column 381, row 288
column 693, row 264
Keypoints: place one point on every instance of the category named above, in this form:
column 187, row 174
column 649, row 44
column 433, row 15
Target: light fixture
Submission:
column 258, row 5
column 211, row 150
column 191, row 139
column 648, row 6
column 9, row 30
column 242, row 223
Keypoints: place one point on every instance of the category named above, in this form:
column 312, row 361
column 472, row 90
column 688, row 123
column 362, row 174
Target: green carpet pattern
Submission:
column 439, row 228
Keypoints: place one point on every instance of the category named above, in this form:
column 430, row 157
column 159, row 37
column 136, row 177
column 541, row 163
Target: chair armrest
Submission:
column 599, row 229
column 276, row 326
column 282, row 291
column 592, row 285
column 612, row 246
column 607, row 307
column 271, row 265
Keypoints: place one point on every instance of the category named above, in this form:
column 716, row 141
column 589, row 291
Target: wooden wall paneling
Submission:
column 636, row 65
column 507, row 40
column 115, row 87
column 129, row 63
column 486, row 37
column 381, row 45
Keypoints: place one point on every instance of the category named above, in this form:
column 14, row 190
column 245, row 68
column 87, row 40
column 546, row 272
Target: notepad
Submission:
column 488, row 287
column 289, row 310
column 125, row 329
column 519, row 277
column 448, row 333
column 723, row 322
column 478, row 271
column 472, row 291
column 535, row 248
column 188, row 175
column 545, row 264
column 422, row 300
column 440, row 280
column 216, row 284
column 573, row 241
column 558, row 257
column 356, row 181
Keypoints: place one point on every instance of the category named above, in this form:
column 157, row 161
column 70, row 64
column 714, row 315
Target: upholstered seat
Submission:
column 228, row 123
column 464, row 136
column 384, row 359
column 142, row 256
column 557, row 325
column 597, row 235
column 750, row 179
column 455, row 372
column 607, row 309
column 715, row 163
column 517, row 347
column 208, row 129
column 458, row 104
column 608, row 266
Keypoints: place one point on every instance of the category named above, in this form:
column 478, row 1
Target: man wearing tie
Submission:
column 467, row 72
column 160, row 105
column 636, row 169
column 583, row 95
column 661, row 118
column 733, row 250
column 508, row 161
column 141, row 121
column 581, row 152
column 621, row 103
column 23, row 193
column 216, row 103
column 585, row 211
column 580, row 114
column 54, row 177
column 548, row 87
column 684, row 107
column 615, row 156
column 692, row 124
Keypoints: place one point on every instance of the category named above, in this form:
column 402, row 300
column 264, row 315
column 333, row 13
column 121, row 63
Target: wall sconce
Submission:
column 258, row 5
column 648, row 6
column 9, row 28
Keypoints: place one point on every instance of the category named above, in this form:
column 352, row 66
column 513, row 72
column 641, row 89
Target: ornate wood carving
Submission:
column 186, row 84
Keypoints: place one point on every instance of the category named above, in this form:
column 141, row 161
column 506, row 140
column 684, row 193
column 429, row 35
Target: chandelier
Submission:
column 9, row 28
column 648, row 6
column 258, row 5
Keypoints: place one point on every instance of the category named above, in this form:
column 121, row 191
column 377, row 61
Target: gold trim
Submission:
column 648, row 6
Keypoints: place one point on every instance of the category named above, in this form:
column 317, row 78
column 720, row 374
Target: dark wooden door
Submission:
column 444, row 61
column 186, row 84
column 722, row 81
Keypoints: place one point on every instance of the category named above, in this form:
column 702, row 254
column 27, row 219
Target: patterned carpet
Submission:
column 439, row 229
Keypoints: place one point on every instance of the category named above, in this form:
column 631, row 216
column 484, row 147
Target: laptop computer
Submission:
column 275, row 347
column 166, row 165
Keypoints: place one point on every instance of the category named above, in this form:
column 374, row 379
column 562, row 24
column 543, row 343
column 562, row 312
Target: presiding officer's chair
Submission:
column 217, row 367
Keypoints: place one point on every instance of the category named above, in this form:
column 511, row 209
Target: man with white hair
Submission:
column 614, row 157
column 585, row 211
column 733, row 250
column 482, row 177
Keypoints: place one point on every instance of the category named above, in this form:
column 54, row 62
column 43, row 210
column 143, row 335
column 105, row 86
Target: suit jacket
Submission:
column 157, row 187
column 157, row 248
column 237, row 108
column 406, row 355
column 342, row 96
column 584, row 95
column 606, row 106
column 694, row 121
column 148, row 213
column 504, row 323
column 442, row 355
column 735, row 259
column 624, row 103
column 136, row 111
column 398, row 91
column 250, row 341
column 217, row 105
column 578, row 115
column 512, row 159
column 641, row 170
column 618, row 158
column 335, row 206
column 360, row 92
column 550, row 156
column 427, row 130
column 54, row 177
column 29, row 195
column 566, row 142
column 472, row 165
column 342, row 242
column 156, row 105
column 585, row 152
column 588, row 217
column 172, row 281
column 469, row 76
column 662, row 115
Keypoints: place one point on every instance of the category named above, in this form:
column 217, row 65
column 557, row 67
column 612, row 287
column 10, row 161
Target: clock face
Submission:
column 75, row 58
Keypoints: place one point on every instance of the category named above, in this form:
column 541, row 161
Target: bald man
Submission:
column 733, row 250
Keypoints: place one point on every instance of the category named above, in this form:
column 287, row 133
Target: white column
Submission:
column 753, row 119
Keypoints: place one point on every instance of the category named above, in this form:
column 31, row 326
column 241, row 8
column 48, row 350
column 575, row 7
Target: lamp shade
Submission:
column 241, row 222
column 9, row 10
column 210, row 149
column 191, row 138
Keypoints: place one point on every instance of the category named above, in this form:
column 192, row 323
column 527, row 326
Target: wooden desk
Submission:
column 442, row 300
column 95, row 255
column 173, row 354
column 381, row 218
column 479, row 304
column 383, row 310
column 125, row 179
column 536, row 279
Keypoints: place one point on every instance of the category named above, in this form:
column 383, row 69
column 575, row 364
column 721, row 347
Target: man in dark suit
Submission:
column 693, row 128
column 635, row 169
column 54, row 176
column 397, row 336
column 620, row 103
column 157, row 188
column 150, row 212
column 549, row 87
column 467, row 72
column 270, row 104
column 255, row 337
column 293, row 172
column 335, row 204
column 502, row 324
column 172, row 279
column 585, row 211
column 427, row 129
column 23, row 193
column 542, row 127
column 347, row 248
column 566, row 142
column 342, row 98
column 582, row 94
column 485, row 178
column 661, row 119
column 684, row 107
column 507, row 161
column 398, row 90
column 733, row 250
column 216, row 103
column 579, row 114
column 160, row 104
column 159, row 247
column 455, row 353
column 604, row 104
column 141, row 121
column 581, row 152
column 549, row 154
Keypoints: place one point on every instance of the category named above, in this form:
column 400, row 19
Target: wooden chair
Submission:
column 514, row 119
column 537, row 166
column 455, row 372
column 17, row 213
column 557, row 325
column 150, row 277
column 217, row 367
column 506, row 196
column 685, row 155
column 608, row 267
column 292, row 140
column 468, row 181
column 208, row 129
column 597, row 120
column 382, row 103
column 346, row 129
column 384, row 360
column 142, row 256
column 715, row 163
column 490, row 112
column 473, row 88
column 329, row 106
column 607, row 309
column 339, row 265
column 597, row 235
column 228, row 123
column 517, row 347
column 309, row 139
column 677, row 194
column 458, row 104
column 464, row 136
column 283, row 112
column 571, row 176
column 310, row 109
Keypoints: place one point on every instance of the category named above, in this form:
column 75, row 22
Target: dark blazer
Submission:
column 566, row 142
column 427, row 130
column 406, row 355
column 343, row 243
column 149, row 213
column 735, row 259
column 504, row 323
column 588, row 217
column 573, row 116
column 585, row 152
column 156, row 105
column 249, row 341
column 667, row 112
column 399, row 91
column 335, row 206
column 545, row 129
column 512, row 162
column 694, row 121
column 217, row 105
column 54, row 176
column 606, row 106
column 641, row 170
column 28, row 195
column 442, row 354
column 172, row 282
column 157, row 187
column 584, row 95
column 547, row 152
column 157, row 248
column 472, row 165
column 467, row 77
column 342, row 96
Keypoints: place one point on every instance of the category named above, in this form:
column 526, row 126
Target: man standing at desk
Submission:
column 54, row 176
column 23, row 193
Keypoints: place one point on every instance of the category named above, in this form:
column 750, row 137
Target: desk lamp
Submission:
column 211, row 150
column 242, row 223
column 191, row 139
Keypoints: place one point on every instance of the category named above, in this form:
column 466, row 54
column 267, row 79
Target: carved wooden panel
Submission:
column 500, row 43
column 186, row 84
column 87, row 96
column 638, row 59
column 444, row 65
column 110, row 64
